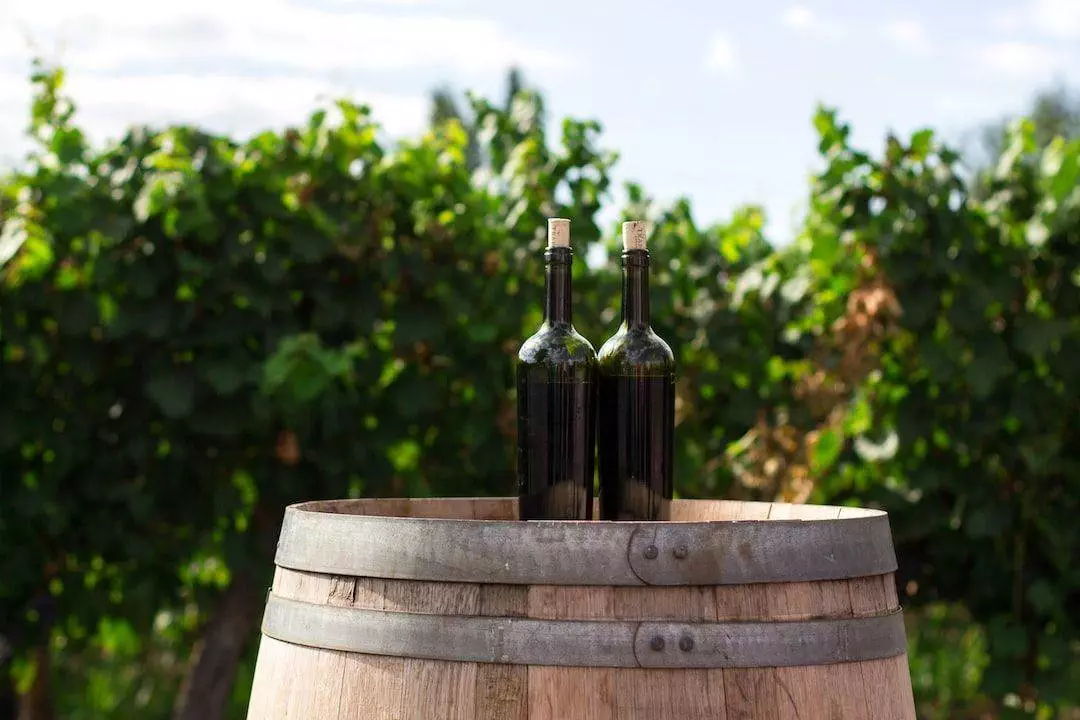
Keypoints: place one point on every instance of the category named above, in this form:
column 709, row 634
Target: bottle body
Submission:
column 636, row 438
column 556, row 440
column 556, row 376
column 636, row 398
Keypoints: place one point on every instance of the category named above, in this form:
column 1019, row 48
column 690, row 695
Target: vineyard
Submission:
column 197, row 330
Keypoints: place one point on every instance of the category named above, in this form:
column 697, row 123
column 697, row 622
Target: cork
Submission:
column 558, row 232
column 634, row 234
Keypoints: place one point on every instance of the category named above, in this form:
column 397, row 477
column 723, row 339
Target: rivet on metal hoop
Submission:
column 681, row 552
column 657, row 643
column 686, row 643
column 651, row 552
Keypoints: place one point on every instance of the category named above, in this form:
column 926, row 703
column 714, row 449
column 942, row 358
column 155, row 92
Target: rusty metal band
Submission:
column 577, row 643
column 586, row 553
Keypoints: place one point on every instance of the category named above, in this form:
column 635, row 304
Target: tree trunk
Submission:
column 204, row 694
column 36, row 704
column 9, row 702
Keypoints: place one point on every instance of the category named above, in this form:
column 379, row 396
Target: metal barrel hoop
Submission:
column 586, row 553
column 632, row 644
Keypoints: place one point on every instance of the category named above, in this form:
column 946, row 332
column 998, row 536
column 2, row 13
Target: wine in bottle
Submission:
column 636, row 406
column 556, row 401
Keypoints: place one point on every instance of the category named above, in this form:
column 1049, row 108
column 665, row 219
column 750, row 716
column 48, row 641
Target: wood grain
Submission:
column 567, row 692
column 695, row 694
column 749, row 693
column 436, row 688
column 822, row 691
column 502, row 691
column 886, row 683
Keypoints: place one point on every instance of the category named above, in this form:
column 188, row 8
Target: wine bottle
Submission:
column 556, row 401
column 636, row 405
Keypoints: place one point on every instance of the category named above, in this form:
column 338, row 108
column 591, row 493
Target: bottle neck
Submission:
column 635, row 295
column 557, row 286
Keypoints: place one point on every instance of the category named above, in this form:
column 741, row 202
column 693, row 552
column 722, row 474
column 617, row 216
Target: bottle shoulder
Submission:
column 557, row 345
column 636, row 351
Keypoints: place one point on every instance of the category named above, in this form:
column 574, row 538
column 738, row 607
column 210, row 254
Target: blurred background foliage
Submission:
column 197, row 330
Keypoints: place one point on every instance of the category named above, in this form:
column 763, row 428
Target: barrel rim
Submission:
column 314, row 506
column 545, row 552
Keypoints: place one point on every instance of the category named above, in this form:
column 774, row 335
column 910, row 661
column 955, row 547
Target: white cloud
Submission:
column 723, row 55
column 235, row 104
column 231, row 68
column 1007, row 20
column 1019, row 58
column 390, row 3
column 799, row 16
column 803, row 19
column 909, row 34
column 1059, row 18
column 961, row 107
column 113, row 35
column 1051, row 18
column 951, row 105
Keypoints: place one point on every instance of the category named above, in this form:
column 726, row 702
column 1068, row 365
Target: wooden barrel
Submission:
column 448, row 608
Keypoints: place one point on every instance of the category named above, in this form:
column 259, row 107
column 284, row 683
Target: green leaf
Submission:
column 747, row 282
column 1053, row 158
column 938, row 358
column 30, row 246
column 990, row 366
column 922, row 143
column 1044, row 597
column 173, row 392
column 156, row 194
column 861, row 416
column 404, row 456
column 224, row 376
column 1020, row 140
column 1036, row 336
column 1007, row 638
column 482, row 332
column 826, row 248
column 796, row 288
column 919, row 310
column 1036, row 233
column 12, row 237
column 986, row 521
column 826, row 450
column 1061, row 168
column 76, row 316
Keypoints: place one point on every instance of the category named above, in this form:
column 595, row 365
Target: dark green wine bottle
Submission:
column 556, row 401
column 636, row 407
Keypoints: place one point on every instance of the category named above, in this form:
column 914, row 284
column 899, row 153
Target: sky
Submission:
column 710, row 99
